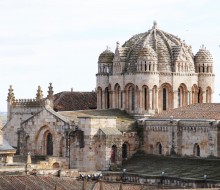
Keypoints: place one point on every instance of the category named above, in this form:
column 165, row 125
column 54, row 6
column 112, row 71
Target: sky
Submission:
column 59, row 41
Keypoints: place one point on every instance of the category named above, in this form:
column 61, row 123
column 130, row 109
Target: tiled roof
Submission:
column 110, row 131
column 41, row 182
column 30, row 182
column 194, row 111
column 5, row 147
column 69, row 101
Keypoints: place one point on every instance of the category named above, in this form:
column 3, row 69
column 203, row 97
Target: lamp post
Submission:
column 162, row 177
column 205, row 178
column 70, row 133
column 123, row 175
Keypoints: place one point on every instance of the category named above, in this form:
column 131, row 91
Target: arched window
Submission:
column 159, row 148
column 49, row 144
column 124, row 151
column 179, row 97
column 196, row 150
column 113, row 153
column 107, row 97
column 145, row 97
column 164, row 99
column 132, row 99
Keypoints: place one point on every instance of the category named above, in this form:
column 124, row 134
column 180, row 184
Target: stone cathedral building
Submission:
column 152, row 95
column 153, row 72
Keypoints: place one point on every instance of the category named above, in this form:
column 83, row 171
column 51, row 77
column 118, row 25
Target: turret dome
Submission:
column 106, row 56
column 203, row 56
column 147, row 53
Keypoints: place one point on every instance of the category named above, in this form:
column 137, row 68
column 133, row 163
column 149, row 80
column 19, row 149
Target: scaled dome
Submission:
column 163, row 44
column 203, row 56
column 106, row 56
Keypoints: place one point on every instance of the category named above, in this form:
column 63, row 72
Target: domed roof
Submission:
column 147, row 53
column 203, row 56
column 162, row 43
column 106, row 56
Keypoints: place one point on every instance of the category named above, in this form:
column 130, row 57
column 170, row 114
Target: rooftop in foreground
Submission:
column 174, row 166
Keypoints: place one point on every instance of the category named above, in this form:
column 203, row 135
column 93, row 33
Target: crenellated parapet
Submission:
column 27, row 102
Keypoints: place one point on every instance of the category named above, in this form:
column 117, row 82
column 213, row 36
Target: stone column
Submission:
column 103, row 100
column 156, row 100
column 141, row 101
column 113, row 103
column 175, row 99
column 203, row 97
column 150, row 100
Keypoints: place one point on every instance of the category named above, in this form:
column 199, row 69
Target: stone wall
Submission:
column 183, row 137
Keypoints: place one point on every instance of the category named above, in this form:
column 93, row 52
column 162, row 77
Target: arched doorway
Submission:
column 49, row 144
column 196, row 150
column 113, row 155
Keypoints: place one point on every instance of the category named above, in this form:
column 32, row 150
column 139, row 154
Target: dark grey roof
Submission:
column 6, row 147
column 110, row 131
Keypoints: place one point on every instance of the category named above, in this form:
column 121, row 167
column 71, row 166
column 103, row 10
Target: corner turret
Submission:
column 203, row 61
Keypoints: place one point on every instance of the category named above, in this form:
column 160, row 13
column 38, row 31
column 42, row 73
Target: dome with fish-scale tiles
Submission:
column 167, row 47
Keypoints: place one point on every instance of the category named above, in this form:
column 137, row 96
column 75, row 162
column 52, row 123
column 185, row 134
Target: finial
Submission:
column 11, row 96
column 155, row 24
column 108, row 48
column 39, row 94
column 202, row 47
column 117, row 44
column 50, row 92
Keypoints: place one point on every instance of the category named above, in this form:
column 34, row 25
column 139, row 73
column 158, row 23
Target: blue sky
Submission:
column 44, row 41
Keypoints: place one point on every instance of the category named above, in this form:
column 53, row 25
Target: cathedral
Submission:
column 153, row 72
column 152, row 95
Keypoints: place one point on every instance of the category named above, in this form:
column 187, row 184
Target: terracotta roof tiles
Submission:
column 70, row 101
column 194, row 111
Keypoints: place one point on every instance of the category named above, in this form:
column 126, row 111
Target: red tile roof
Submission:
column 30, row 182
column 194, row 111
column 70, row 101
